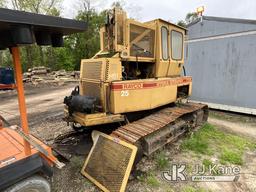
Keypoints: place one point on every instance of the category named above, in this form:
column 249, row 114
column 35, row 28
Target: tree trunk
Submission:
column 1, row 58
column 42, row 56
column 29, row 57
column 52, row 62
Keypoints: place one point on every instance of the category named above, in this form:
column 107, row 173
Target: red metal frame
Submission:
column 10, row 86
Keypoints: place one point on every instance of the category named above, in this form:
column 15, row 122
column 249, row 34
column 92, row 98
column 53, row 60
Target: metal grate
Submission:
column 92, row 70
column 91, row 76
column 109, row 163
column 91, row 89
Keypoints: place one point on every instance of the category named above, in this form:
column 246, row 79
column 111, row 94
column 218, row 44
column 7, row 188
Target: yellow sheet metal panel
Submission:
column 93, row 119
column 101, row 69
column 166, row 64
column 137, row 95
column 109, row 162
column 113, row 70
column 95, row 73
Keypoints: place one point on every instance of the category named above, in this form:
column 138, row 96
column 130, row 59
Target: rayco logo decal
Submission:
column 151, row 84
column 133, row 86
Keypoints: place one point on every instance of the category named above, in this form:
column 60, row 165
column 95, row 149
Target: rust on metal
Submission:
column 134, row 131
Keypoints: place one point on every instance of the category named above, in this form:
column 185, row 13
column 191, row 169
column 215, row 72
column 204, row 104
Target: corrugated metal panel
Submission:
column 213, row 28
column 223, row 69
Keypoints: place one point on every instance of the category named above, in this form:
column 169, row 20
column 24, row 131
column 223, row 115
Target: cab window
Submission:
column 177, row 45
column 164, row 34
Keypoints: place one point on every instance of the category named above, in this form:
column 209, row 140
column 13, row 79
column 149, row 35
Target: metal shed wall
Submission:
column 221, row 58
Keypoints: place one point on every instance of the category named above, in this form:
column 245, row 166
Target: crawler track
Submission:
column 156, row 130
column 148, row 134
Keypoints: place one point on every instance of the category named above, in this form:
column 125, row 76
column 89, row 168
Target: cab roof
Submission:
column 169, row 23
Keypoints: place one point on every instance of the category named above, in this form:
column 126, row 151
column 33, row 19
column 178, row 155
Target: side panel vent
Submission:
column 107, row 71
column 92, row 70
column 109, row 163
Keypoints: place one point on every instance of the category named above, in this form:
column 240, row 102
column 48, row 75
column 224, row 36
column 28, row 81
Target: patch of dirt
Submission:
column 245, row 129
column 45, row 111
column 233, row 117
column 42, row 102
column 246, row 181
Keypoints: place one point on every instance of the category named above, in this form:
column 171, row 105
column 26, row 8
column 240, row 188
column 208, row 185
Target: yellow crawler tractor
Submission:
column 135, row 79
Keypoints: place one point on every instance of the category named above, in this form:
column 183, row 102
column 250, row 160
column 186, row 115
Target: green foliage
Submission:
column 86, row 45
column 2, row 3
column 192, row 189
column 63, row 60
column 190, row 17
column 152, row 181
column 37, row 6
column 118, row 4
column 197, row 142
column 207, row 162
column 161, row 160
column 234, row 157
column 76, row 47
column 230, row 148
column 182, row 23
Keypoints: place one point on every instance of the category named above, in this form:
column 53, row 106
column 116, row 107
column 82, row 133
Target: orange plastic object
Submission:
column 21, row 97
column 12, row 147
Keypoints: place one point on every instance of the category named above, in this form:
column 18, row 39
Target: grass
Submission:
column 231, row 157
column 209, row 140
column 161, row 161
column 150, row 179
column 207, row 162
column 204, row 144
column 198, row 142
column 192, row 189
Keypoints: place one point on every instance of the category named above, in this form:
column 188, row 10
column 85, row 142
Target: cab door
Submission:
column 163, row 59
column 176, row 50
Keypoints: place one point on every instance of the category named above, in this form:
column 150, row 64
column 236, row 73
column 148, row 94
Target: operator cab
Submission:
column 147, row 50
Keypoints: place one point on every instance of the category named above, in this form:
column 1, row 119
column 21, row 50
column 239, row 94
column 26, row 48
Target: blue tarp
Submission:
column 6, row 75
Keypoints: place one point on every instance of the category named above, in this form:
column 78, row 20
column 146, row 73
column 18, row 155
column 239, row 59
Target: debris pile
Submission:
column 38, row 75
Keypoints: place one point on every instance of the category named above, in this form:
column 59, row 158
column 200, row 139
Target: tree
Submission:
column 190, row 17
column 118, row 4
column 77, row 46
column 2, row 54
column 36, row 6
column 87, row 44
column 2, row 3
column 35, row 55
column 182, row 23
column 132, row 9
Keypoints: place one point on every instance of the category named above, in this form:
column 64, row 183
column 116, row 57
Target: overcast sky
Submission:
column 174, row 10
